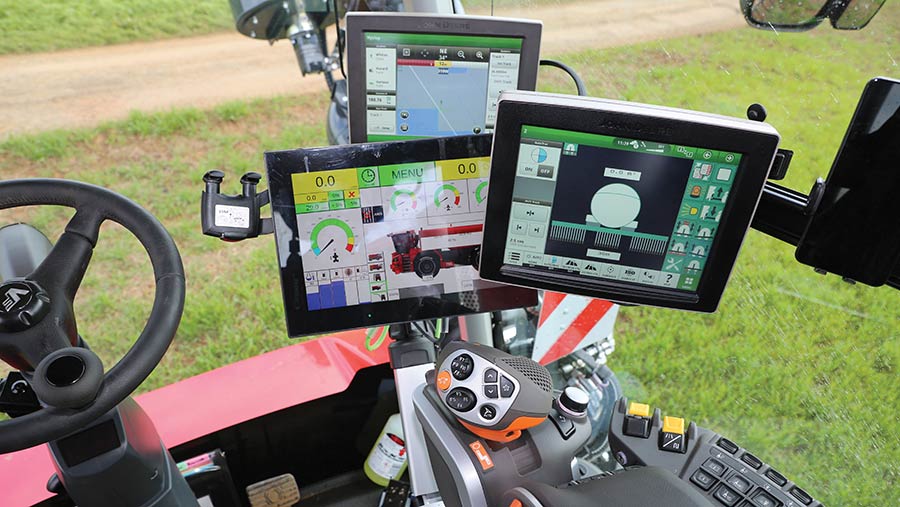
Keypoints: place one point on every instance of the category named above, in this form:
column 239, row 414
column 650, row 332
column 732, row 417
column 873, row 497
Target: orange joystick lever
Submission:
column 494, row 395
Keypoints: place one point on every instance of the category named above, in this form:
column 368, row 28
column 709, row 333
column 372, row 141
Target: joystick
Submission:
column 493, row 416
column 508, row 393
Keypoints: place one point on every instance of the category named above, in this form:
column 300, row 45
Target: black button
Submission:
column 490, row 376
column 703, row 480
column 763, row 499
column 726, row 495
column 776, row 477
column 488, row 412
column 563, row 424
column 507, row 388
column 461, row 399
column 715, row 467
column 490, row 391
column 461, row 366
column 672, row 442
column 751, row 460
column 636, row 427
column 801, row 495
column 740, row 483
column 729, row 446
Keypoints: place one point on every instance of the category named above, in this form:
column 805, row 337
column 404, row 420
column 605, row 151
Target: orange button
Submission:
column 515, row 503
column 443, row 380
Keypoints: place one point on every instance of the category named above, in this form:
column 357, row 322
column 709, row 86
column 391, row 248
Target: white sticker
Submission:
column 232, row 216
column 389, row 456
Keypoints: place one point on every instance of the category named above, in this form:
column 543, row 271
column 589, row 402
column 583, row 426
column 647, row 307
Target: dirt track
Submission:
column 84, row 87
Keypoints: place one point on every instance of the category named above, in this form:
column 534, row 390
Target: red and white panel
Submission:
column 569, row 323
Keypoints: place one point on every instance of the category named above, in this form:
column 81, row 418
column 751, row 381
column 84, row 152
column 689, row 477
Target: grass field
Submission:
column 62, row 24
column 799, row 368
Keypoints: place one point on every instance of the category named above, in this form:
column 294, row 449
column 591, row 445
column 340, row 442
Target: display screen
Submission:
column 383, row 233
column 416, row 83
column 618, row 209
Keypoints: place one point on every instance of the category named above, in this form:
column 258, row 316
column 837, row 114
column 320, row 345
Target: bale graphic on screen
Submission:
column 615, row 205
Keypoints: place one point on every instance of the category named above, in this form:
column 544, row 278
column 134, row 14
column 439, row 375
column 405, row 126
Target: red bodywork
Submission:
column 408, row 247
column 193, row 408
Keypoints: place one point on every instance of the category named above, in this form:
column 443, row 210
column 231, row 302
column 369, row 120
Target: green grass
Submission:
column 64, row 24
column 61, row 24
column 799, row 368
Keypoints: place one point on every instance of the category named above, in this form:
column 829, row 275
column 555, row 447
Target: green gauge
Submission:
column 481, row 192
column 331, row 222
column 404, row 199
column 445, row 193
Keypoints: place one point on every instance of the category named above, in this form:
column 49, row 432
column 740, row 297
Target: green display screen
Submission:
column 414, row 82
column 616, row 208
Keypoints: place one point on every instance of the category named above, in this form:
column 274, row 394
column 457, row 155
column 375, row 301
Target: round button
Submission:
column 461, row 399
column 444, row 380
column 574, row 401
column 22, row 305
column 462, row 366
column 488, row 412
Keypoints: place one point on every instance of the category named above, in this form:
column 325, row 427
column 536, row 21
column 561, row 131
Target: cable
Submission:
column 579, row 84
column 340, row 37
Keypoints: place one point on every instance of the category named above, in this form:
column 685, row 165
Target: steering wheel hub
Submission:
column 23, row 304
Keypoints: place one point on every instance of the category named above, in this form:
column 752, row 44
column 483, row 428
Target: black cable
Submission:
column 579, row 84
column 340, row 37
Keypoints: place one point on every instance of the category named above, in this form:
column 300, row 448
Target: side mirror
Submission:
column 800, row 15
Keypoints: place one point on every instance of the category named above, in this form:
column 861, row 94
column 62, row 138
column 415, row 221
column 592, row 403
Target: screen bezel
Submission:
column 300, row 321
column 358, row 23
column 757, row 151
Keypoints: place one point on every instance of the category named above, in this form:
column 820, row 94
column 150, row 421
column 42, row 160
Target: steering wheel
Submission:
column 38, row 334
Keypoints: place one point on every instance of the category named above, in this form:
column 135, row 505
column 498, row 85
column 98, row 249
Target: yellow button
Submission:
column 639, row 409
column 673, row 425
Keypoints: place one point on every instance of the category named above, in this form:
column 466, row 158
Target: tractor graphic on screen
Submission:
column 410, row 256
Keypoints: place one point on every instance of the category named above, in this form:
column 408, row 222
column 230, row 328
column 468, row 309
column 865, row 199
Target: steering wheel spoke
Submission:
column 64, row 267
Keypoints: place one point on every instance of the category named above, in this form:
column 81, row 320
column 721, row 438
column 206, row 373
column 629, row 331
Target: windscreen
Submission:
column 611, row 208
column 390, row 232
column 415, row 83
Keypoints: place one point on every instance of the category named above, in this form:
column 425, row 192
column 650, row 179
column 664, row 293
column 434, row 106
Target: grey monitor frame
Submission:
column 757, row 143
column 358, row 23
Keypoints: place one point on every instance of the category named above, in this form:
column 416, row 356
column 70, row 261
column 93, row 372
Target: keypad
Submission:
column 461, row 399
column 461, row 366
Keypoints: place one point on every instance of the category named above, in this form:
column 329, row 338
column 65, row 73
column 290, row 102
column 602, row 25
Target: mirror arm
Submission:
column 784, row 213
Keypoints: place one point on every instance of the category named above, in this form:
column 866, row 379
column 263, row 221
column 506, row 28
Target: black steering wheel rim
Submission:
column 121, row 380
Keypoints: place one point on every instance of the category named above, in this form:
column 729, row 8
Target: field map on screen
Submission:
column 431, row 85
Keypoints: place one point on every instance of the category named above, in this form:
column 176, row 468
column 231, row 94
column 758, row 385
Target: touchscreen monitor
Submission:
column 424, row 76
column 641, row 211
column 382, row 233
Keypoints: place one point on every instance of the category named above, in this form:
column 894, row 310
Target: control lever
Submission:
column 233, row 217
column 491, row 423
